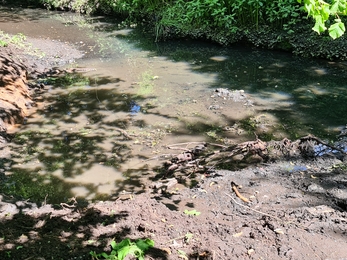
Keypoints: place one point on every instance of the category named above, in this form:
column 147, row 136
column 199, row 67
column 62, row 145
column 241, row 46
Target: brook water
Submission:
column 158, row 94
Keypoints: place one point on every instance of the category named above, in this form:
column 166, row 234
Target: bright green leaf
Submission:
column 319, row 25
column 325, row 12
column 144, row 244
column 113, row 244
column 337, row 30
column 122, row 244
column 122, row 253
column 192, row 212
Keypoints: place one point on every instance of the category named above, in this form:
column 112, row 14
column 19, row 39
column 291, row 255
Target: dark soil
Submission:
column 296, row 209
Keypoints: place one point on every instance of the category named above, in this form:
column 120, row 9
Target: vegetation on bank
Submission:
column 272, row 24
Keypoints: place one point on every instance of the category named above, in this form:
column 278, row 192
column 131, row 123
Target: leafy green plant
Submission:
column 3, row 43
column 20, row 41
column 124, row 248
column 322, row 11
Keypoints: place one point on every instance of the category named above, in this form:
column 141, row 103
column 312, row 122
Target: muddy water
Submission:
column 104, row 130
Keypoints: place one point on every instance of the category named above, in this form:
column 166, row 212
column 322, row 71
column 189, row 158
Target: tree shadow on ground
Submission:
column 310, row 88
column 64, row 232
column 77, row 138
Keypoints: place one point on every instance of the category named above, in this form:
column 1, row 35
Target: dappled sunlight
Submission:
column 320, row 71
column 103, row 124
column 312, row 91
column 279, row 98
column 218, row 58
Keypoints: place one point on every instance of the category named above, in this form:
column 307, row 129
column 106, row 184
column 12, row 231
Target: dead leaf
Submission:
column 167, row 250
column 279, row 231
column 238, row 234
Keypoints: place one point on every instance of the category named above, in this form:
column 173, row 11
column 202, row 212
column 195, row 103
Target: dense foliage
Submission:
column 283, row 24
column 322, row 11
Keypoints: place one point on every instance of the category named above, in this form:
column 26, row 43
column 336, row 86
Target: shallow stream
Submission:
column 158, row 94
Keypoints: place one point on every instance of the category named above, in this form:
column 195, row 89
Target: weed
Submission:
column 146, row 83
column 192, row 212
column 20, row 41
column 3, row 43
column 124, row 248
column 188, row 237
column 182, row 254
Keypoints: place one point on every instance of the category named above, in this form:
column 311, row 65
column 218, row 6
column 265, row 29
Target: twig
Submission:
column 171, row 146
column 123, row 132
column 262, row 213
column 176, row 238
column 73, row 199
column 189, row 143
column 162, row 156
column 238, row 194
column 45, row 201
column 310, row 137
column 179, row 148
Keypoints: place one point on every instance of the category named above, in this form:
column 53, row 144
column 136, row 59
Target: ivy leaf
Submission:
column 337, row 29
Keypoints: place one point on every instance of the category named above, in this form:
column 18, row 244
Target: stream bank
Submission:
column 296, row 210
column 19, row 70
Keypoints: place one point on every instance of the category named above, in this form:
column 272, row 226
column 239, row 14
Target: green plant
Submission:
column 146, row 83
column 322, row 11
column 192, row 212
column 126, row 247
column 19, row 40
column 3, row 43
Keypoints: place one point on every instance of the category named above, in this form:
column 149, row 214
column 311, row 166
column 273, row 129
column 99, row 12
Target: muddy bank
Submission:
column 14, row 92
column 294, row 210
column 291, row 209
column 18, row 70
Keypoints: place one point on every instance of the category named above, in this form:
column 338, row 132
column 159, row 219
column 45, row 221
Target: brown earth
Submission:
column 288, row 209
column 14, row 92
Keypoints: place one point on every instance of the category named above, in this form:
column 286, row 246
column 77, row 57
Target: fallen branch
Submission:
column 123, row 132
column 319, row 141
column 203, row 157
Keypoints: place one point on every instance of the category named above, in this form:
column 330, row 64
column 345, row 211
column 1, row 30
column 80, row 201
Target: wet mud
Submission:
column 286, row 209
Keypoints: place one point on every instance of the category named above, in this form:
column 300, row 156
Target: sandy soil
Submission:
column 293, row 209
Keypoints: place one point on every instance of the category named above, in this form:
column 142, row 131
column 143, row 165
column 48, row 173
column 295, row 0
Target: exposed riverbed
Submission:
column 101, row 124
column 160, row 94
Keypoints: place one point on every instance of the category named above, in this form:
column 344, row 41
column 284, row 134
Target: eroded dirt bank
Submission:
column 17, row 68
column 14, row 92
column 294, row 209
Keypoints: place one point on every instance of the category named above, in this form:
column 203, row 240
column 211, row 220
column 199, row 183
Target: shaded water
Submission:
column 160, row 94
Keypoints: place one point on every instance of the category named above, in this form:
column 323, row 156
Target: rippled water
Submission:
column 77, row 144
